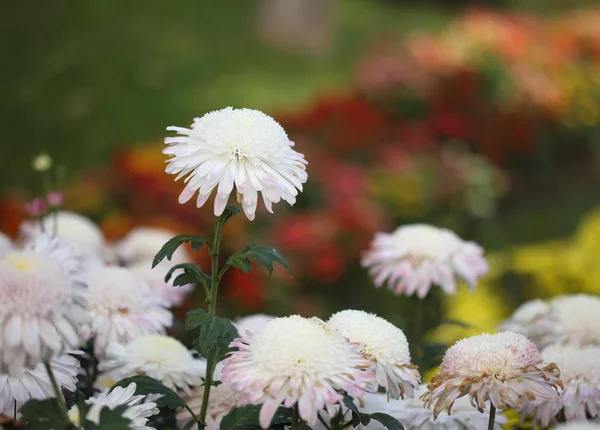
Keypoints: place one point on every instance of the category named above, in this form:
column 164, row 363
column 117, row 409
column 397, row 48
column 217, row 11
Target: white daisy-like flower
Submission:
column 586, row 425
column 222, row 400
column 20, row 387
column 137, row 410
column 123, row 307
column 80, row 232
column 524, row 318
column 571, row 320
column 160, row 357
column 5, row 244
column 301, row 361
column 42, row 304
column 142, row 243
column 155, row 278
column 251, row 323
column 505, row 368
column 580, row 374
column 415, row 257
column 386, row 344
column 230, row 147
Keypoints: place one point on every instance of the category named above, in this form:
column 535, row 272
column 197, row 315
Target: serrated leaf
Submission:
column 111, row 419
column 44, row 415
column 192, row 273
column 216, row 333
column 265, row 255
column 169, row 248
column 388, row 421
column 146, row 385
column 246, row 418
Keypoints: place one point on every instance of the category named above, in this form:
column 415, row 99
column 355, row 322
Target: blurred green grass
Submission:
column 83, row 78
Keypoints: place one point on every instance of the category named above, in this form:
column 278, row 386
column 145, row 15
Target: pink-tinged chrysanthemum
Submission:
column 524, row 319
column 137, row 410
column 141, row 244
column 386, row 344
column 155, row 278
column 505, row 368
column 42, row 304
column 301, row 361
column 161, row 357
column 5, row 244
column 415, row 257
column 571, row 320
column 241, row 148
column 251, row 323
column 580, row 374
column 123, row 307
column 223, row 399
column 20, row 387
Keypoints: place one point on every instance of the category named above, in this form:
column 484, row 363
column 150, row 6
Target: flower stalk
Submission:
column 59, row 397
column 492, row 420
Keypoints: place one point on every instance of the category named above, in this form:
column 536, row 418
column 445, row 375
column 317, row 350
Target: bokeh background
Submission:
column 482, row 117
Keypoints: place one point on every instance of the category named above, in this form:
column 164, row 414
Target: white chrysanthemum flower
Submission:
column 77, row 230
column 386, row 343
column 35, row 383
column 580, row 374
column 5, row 244
column 505, row 368
column 123, row 308
column 42, row 304
column 296, row 360
column 222, row 400
column 586, row 425
column 155, row 278
column 524, row 318
column 137, row 411
column 251, row 323
column 571, row 320
column 142, row 243
column 236, row 147
column 160, row 357
column 415, row 257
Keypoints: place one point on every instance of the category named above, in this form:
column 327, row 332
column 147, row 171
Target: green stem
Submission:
column 418, row 330
column 492, row 420
column 212, row 310
column 297, row 423
column 59, row 397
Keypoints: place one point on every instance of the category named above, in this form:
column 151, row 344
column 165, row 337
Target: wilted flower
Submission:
column 137, row 411
column 123, row 307
column 142, row 243
column 160, row 357
column 524, row 318
column 301, row 361
column 415, row 257
column 222, row 400
column 251, row 323
column 155, row 278
column 505, row 368
column 236, row 147
column 19, row 387
column 42, row 304
column 386, row 344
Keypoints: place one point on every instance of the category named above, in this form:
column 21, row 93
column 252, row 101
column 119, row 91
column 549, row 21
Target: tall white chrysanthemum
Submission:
column 386, row 344
column 155, row 278
column 415, row 257
column 222, row 400
column 141, row 244
column 571, row 320
column 123, row 307
column 505, row 368
column 524, row 319
column 251, row 323
column 161, row 357
column 5, row 244
column 137, row 410
column 42, row 304
column 20, row 387
column 236, row 147
column 301, row 361
column 580, row 374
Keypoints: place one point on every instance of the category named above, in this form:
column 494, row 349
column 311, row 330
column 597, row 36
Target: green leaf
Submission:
column 246, row 418
column 146, row 385
column 111, row 419
column 44, row 415
column 192, row 273
column 171, row 246
column 388, row 421
column 215, row 332
column 265, row 255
